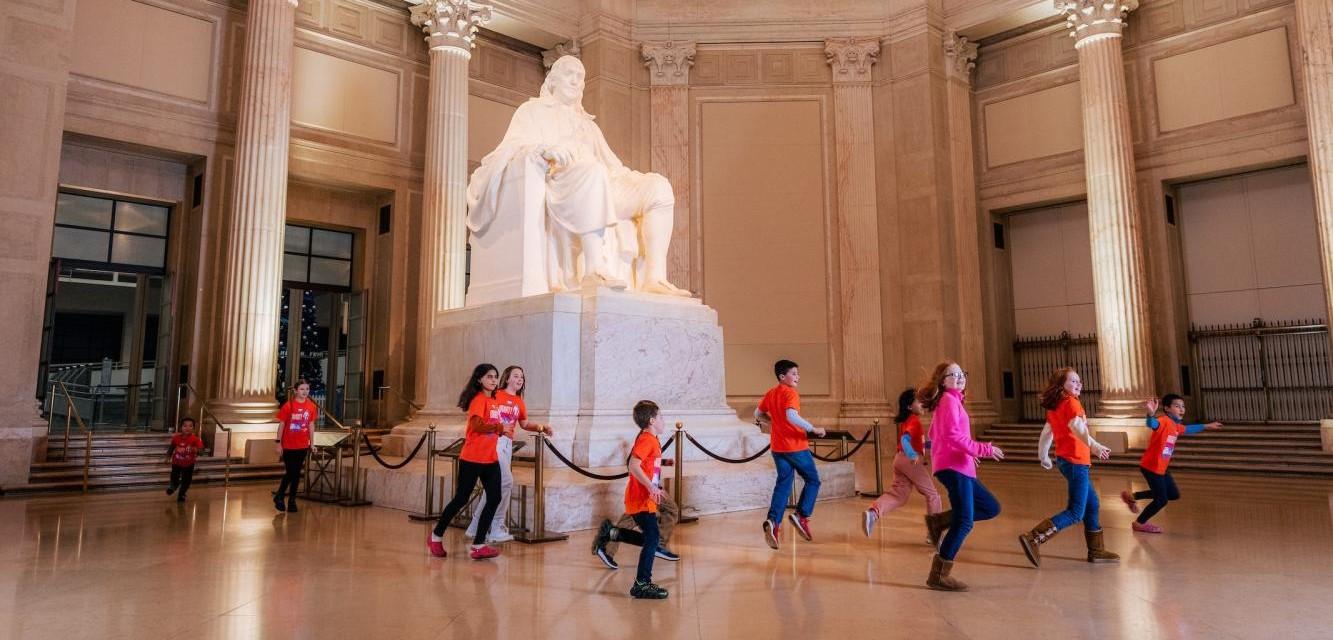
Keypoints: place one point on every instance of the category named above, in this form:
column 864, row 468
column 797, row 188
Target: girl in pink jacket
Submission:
column 954, row 457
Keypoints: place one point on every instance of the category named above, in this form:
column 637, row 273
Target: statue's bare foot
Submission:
column 600, row 279
column 662, row 287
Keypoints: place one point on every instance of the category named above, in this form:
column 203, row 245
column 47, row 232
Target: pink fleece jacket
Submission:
column 952, row 446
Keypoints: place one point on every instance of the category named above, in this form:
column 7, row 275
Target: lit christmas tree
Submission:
column 311, row 367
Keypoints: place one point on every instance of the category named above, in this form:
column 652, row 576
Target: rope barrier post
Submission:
column 678, row 479
column 879, row 471
column 429, row 512
column 355, row 496
column 536, row 534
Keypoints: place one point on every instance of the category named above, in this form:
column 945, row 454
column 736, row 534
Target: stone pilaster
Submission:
column 451, row 29
column 561, row 50
column 668, row 66
column 858, row 226
column 1119, row 271
column 1314, row 22
column 252, row 271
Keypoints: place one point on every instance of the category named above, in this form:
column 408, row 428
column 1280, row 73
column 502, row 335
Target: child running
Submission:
column 513, row 413
column 790, row 446
column 296, row 418
column 909, row 471
column 643, row 492
column 1162, row 446
column 478, row 460
column 1067, row 426
column 182, row 454
column 954, row 456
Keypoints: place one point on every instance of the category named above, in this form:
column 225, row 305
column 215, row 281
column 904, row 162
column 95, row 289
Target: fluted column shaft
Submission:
column 1118, row 276
column 1314, row 21
column 252, row 274
column 669, row 144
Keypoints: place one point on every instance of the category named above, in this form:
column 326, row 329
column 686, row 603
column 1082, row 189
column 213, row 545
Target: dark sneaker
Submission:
column 603, row 536
column 666, row 554
column 606, row 558
column 648, row 591
column 291, row 505
column 278, row 503
column 180, row 498
column 171, row 488
column 772, row 533
column 802, row 525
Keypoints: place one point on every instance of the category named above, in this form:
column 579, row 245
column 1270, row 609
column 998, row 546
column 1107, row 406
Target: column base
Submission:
column 1119, row 434
column 244, row 411
column 19, row 448
column 1326, row 433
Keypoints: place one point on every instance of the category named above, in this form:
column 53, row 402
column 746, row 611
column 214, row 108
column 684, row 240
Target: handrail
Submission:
column 206, row 412
column 322, row 411
column 401, row 397
column 71, row 410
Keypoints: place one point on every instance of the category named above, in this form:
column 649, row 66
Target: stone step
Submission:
column 240, row 473
column 1244, row 465
column 1258, row 429
column 204, row 462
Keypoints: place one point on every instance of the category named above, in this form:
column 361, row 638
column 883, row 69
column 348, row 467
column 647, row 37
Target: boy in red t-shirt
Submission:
column 642, row 495
column 790, row 447
column 182, row 454
column 1157, row 457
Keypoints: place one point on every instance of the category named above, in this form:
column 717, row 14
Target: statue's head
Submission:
column 565, row 82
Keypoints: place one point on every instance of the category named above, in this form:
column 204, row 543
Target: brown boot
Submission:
column 936, row 525
column 1097, row 548
column 939, row 579
column 1045, row 530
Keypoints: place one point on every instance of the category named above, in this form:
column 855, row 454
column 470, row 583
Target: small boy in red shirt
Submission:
column 1157, row 457
column 790, row 447
column 642, row 495
column 182, row 454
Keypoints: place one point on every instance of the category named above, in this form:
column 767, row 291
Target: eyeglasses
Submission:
column 960, row 375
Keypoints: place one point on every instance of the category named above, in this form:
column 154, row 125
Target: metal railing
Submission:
column 380, row 392
column 184, row 388
column 1038, row 356
column 72, row 415
column 1263, row 372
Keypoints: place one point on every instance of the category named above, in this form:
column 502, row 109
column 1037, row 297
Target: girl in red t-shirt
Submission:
column 513, row 414
column 909, row 471
column 1067, row 427
column 296, row 418
column 477, row 461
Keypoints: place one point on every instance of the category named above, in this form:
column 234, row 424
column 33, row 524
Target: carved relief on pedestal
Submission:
column 851, row 58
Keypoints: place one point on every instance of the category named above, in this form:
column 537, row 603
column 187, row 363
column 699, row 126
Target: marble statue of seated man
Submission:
column 620, row 219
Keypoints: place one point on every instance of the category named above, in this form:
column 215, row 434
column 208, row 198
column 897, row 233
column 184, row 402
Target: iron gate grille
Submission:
column 1263, row 372
column 1038, row 356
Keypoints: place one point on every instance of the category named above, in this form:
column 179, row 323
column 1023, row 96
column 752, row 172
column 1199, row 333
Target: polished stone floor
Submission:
column 1241, row 558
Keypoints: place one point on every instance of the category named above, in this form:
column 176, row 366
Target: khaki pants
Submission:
column 668, row 513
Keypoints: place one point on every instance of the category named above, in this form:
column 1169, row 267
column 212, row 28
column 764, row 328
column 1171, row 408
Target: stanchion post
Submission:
column 678, row 479
column 428, row 512
column 536, row 533
column 879, row 472
column 355, row 498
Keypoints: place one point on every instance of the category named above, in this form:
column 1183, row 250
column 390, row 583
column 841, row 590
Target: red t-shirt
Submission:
column 512, row 411
column 1162, row 445
column 912, row 427
column 478, row 446
column 297, row 418
column 1068, row 445
column 185, row 449
column 649, row 450
column 785, row 436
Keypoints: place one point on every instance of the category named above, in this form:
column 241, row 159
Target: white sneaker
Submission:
column 503, row 536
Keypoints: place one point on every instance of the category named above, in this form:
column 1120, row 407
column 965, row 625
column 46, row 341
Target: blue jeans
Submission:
column 969, row 501
column 648, row 538
column 790, row 464
column 1083, row 504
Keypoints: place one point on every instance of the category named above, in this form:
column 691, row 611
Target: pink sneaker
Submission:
column 1145, row 528
column 1130, row 501
column 436, row 546
column 483, row 552
column 802, row 525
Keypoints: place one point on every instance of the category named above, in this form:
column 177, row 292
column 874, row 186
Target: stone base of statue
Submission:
column 588, row 356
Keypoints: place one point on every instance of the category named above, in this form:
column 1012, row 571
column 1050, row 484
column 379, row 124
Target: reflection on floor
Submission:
column 1241, row 558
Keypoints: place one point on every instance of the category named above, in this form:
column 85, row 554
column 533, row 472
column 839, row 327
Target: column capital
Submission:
column 668, row 62
column 851, row 58
column 1089, row 19
column 561, row 50
column 961, row 56
column 450, row 23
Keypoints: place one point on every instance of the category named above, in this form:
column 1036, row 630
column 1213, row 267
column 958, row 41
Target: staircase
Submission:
column 1261, row 449
column 123, row 461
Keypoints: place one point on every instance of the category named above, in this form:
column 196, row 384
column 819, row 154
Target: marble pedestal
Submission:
column 589, row 356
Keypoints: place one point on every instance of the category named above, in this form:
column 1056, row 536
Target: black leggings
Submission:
column 182, row 477
column 1161, row 488
column 294, row 461
column 468, row 474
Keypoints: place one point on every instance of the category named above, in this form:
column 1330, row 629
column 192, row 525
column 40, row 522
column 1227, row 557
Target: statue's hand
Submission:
column 558, row 156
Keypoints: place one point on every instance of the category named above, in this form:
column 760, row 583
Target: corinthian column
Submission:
column 247, row 368
column 669, row 77
column 1118, row 272
column 858, row 226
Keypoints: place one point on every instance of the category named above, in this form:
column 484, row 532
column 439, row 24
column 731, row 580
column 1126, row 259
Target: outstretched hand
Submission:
column 996, row 453
column 1151, row 405
column 1212, row 426
column 1103, row 453
column 819, row 431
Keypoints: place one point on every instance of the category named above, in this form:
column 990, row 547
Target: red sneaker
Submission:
column 772, row 533
column 436, row 546
column 1129, row 501
column 483, row 552
column 802, row 525
column 1145, row 528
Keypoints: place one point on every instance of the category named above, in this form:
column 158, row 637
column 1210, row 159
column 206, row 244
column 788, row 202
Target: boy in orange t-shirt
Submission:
column 790, row 446
column 643, row 492
column 1157, row 457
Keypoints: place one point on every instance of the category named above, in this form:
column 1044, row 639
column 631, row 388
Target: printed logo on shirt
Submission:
column 1170, row 446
